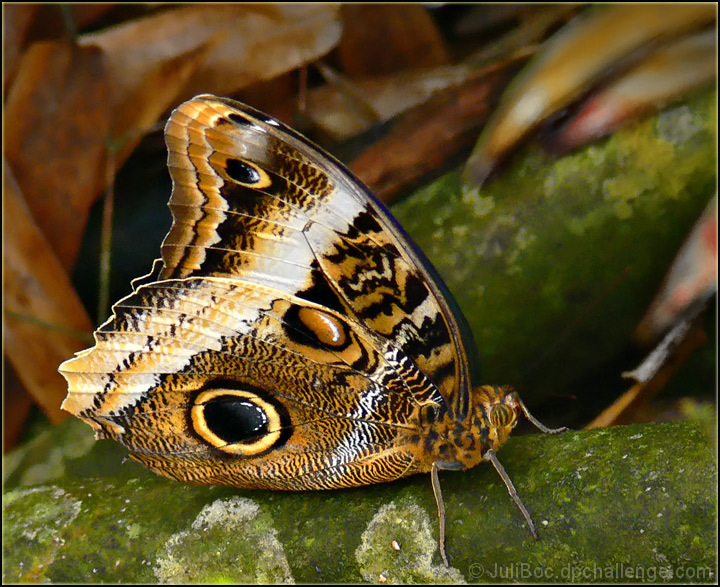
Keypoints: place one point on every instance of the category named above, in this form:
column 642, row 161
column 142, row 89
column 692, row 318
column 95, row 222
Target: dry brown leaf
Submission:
column 482, row 20
column 425, row 138
column 535, row 23
column 56, row 124
column 155, row 93
column 17, row 19
column 277, row 97
column 38, row 296
column 690, row 282
column 387, row 38
column 343, row 114
column 61, row 21
column 86, row 13
column 576, row 58
column 249, row 43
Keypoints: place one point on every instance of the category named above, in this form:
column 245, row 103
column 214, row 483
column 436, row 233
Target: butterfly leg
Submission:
column 492, row 457
column 436, row 466
column 441, row 511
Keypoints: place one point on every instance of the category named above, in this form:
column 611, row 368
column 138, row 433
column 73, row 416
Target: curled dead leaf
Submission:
column 248, row 43
column 41, row 307
column 57, row 118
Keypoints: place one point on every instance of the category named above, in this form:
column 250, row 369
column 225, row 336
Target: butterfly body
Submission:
column 292, row 336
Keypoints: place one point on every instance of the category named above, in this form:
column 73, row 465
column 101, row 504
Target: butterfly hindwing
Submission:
column 336, row 395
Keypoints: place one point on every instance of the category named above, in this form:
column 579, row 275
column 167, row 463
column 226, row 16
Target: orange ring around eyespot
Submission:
column 264, row 443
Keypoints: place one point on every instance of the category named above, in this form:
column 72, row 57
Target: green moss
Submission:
column 34, row 521
column 598, row 498
column 230, row 541
column 408, row 526
column 554, row 262
column 595, row 497
column 47, row 455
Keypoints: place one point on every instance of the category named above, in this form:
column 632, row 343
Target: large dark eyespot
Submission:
column 235, row 419
column 239, row 421
column 243, row 172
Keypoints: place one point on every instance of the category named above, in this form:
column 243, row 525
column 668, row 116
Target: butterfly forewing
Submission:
column 273, row 209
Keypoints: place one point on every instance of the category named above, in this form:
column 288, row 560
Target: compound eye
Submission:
column 501, row 416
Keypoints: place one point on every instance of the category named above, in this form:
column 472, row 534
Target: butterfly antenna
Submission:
column 539, row 425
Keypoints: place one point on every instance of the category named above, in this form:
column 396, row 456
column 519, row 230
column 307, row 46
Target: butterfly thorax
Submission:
column 463, row 442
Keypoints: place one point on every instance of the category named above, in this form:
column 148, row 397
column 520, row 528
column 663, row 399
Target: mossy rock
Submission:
column 554, row 262
column 637, row 498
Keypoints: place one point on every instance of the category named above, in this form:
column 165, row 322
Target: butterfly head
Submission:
column 464, row 441
column 498, row 407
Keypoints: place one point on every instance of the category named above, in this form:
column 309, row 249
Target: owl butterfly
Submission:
column 292, row 336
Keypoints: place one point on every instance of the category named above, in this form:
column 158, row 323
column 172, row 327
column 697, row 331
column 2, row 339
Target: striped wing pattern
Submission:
column 291, row 337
